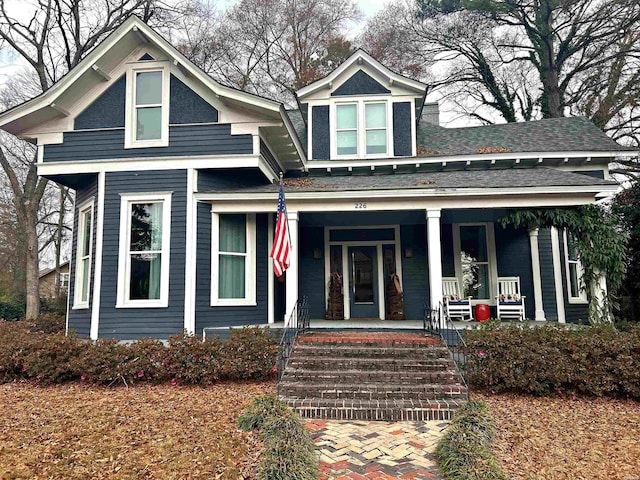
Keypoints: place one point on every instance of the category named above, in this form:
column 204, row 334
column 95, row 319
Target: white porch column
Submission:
column 557, row 274
column 537, row 278
column 599, row 292
column 97, row 273
column 291, row 284
column 434, row 258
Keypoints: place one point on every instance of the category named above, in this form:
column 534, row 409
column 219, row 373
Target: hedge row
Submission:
column 464, row 453
column 598, row 361
column 289, row 452
column 26, row 353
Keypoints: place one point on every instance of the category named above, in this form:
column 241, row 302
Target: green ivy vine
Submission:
column 597, row 238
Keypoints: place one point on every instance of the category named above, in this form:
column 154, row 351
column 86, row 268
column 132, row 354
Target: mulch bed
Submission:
column 566, row 438
column 77, row 432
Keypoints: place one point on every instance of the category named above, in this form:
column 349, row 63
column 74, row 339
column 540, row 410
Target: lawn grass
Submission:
column 78, row 432
column 566, row 438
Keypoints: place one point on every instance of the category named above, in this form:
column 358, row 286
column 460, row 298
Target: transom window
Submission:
column 233, row 261
column 144, row 251
column 475, row 260
column 84, row 252
column 361, row 129
column 575, row 285
column 147, row 123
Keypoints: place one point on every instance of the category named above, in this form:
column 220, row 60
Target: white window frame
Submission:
column 63, row 280
column 130, row 108
column 79, row 273
column 361, row 135
column 582, row 291
column 249, row 265
column 491, row 258
column 124, row 257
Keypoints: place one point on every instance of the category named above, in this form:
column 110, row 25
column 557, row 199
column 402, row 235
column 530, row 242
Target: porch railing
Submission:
column 296, row 324
column 437, row 322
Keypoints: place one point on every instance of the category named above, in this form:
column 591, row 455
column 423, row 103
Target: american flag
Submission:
column 280, row 249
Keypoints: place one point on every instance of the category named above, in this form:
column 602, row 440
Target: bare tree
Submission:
column 51, row 38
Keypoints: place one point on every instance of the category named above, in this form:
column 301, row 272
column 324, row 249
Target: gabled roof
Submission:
column 549, row 135
column 363, row 58
column 92, row 70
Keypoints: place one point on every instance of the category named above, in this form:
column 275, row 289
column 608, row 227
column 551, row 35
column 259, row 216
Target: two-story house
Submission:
column 176, row 191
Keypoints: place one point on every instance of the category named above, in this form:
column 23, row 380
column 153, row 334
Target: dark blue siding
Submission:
column 130, row 323
column 106, row 111
column 268, row 156
column 448, row 262
column 415, row 281
column 80, row 320
column 574, row 312
column 547, row 276
column 186, row 106
column 514, row 260
column 208, row 316
column 183, row 141
column 360, row 83
column 402, row 146
column 320, row 131
column 217, row 179
column 311, row 278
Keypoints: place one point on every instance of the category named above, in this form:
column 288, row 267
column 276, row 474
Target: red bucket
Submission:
column 483, row 312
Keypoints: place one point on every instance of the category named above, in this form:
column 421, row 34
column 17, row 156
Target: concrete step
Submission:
column 364, row 364
column 373, row 391
column 382, row 410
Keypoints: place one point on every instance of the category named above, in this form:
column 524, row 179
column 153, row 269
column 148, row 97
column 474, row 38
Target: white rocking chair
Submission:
column 454, row 305
column 510, row 302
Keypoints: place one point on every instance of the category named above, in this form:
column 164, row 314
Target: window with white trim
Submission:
column 147, row 122
column 143, row 267
column 233, row 278
column 360, row 129
column 576, row 290
column 84, row 252
column 475, row 260
column 63, row 280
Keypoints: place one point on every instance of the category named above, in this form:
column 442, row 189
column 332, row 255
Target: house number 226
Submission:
column 361, row 205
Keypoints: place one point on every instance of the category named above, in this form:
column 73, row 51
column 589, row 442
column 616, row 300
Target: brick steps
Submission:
column 385, row 376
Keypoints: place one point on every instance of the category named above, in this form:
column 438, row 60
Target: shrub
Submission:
column 13, row 339
column 52, row 358
column 249, row 353
column 11, row 310
column 50, row 323
column 464, row 453
column 552, row 359
column 190, row 360
column 289, row 450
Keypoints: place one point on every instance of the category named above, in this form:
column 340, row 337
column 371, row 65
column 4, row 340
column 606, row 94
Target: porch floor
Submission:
column 319, row 324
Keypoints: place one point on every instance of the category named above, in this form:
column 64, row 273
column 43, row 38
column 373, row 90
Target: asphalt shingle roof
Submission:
column 511, row 178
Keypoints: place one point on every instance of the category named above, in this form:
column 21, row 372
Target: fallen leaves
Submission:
column 77, row 432
column 566, row 438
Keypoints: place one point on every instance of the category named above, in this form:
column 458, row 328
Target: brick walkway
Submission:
column 376, row 450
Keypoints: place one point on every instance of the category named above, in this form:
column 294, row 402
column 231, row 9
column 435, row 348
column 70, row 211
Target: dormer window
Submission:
column 361, row 129
column 147, row 123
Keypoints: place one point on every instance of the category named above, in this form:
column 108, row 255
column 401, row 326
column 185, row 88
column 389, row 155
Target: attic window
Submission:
column 148, row 107
column 361, row 129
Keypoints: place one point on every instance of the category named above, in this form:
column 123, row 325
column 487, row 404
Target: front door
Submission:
column 363, row 282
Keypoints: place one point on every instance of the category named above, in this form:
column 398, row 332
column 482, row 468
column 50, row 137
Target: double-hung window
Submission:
column 475, row 259
column 147, row 122
column 361, row 129
column 145, row 232
column 84, row 252
column 233, row 279
column 575, row 286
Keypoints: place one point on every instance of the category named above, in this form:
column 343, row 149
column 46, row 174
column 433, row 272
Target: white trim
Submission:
column 97, row 276
column 130, row 140
column 79, row 280
column 537, row 276
column 581, row 299
column 249, row 265
column 190, row 257
column 491, row 262
column 271, row 291
column 124, row 257
column 346, row 291
column 292, row 275
column 381, row 293
column 557, row 274
column 434, row 258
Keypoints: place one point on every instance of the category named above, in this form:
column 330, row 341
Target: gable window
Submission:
column 360, row 129
column 575, row 285
column 233, row 279
column 147, row 122
column 475, row 259
column 84, row 253
column 143, row 268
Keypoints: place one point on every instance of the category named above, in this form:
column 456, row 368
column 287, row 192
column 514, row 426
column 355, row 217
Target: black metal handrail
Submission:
column 296, row 324
column 437, row 322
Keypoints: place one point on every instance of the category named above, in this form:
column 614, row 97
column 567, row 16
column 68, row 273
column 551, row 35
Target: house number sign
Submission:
column 361, row 205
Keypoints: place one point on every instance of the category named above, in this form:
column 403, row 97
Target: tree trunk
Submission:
column 32, row 268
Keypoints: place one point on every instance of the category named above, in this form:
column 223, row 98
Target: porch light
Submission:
column 408, row 252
